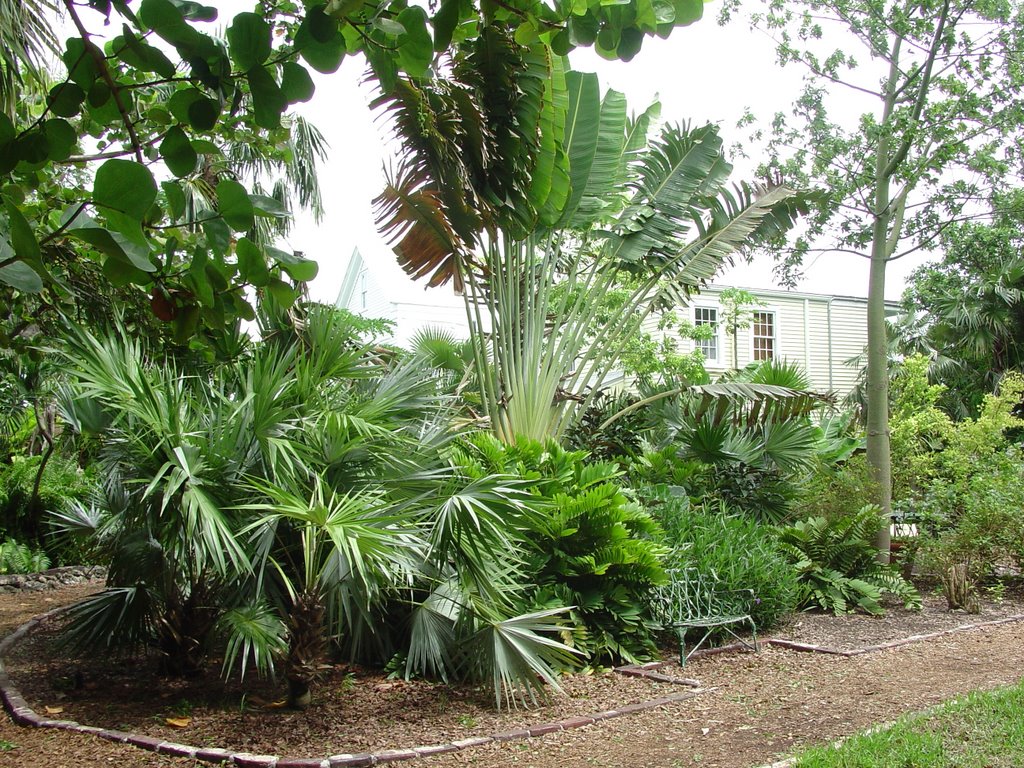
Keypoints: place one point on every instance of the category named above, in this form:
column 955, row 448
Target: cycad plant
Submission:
column 589, row 548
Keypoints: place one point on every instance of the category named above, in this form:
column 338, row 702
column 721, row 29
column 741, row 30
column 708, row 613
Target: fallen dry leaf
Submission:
column 178, row 722
column 261, row 703
column 53, row 710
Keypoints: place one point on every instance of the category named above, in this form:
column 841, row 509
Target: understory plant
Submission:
column 24, row 504
column 961, row 482
column 837, row 567
column 18, row 557
column 298, row 502
column 728, row 548
column 589, row 546
column 747, row 441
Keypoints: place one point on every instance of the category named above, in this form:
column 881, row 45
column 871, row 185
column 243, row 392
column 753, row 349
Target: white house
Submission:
column 820, row 332
column 378, row 288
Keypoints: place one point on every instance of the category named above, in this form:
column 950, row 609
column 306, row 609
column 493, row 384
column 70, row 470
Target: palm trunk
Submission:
column 307, row 646
column 183, row 630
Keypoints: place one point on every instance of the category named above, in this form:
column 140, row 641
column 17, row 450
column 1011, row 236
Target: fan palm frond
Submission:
column 26, row 39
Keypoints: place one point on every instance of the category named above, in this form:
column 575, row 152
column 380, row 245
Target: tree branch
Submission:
column 922, row 93
column 63, row 227
column 115, row 89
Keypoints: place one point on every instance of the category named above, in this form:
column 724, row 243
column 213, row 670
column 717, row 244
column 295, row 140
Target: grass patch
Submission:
column 981, row 730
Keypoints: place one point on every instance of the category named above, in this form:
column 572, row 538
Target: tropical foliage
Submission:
column 134, row 163
column 930, row 144
column 588, row 548
column 298, row 500
column 16, row 557
column 652, row 214
column 960, row 481
column 741, row 553
column 837, row 565
column 963, row 312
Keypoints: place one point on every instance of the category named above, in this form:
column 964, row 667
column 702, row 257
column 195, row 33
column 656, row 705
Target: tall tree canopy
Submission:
column 965, row 311
column 940, row 81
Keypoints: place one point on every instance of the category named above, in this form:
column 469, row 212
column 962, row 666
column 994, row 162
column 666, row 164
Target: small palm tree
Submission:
column 316, row 543
column 175, row 450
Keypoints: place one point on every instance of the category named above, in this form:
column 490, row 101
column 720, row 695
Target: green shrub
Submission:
column 976, row 530
column 837, row 490
column 836, row 563
column 616, row 442
column 762, row 493
column 742, row 553
column 62, row 482
column 589, row 546
column 963, row 482
column 21, row 558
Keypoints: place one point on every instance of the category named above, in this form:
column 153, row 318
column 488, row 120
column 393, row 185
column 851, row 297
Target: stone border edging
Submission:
column 22, row 714
column 51, row 578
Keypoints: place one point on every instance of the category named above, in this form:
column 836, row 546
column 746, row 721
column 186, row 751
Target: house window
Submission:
column 707, row 316
column 362, row 289
column 763, row 334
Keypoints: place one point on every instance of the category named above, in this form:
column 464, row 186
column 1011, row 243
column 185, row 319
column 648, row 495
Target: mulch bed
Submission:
column 754, row 706
column 354, row 709
column 858, row 630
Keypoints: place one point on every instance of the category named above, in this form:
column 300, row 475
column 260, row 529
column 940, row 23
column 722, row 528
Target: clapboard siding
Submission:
column 820, row 333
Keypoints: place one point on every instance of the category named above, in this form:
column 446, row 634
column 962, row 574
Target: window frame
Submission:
column 715, row 361
column 773, row 312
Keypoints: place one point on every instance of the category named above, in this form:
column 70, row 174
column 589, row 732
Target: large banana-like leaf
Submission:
column 699, row 261
column 549, row 191
column 746, row 402
column 472, row 140
column 603, row 188
column 416, row 222
column 582, row 128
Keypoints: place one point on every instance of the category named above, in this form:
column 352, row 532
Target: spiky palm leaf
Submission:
column 256, row 634
column 26, row 39
column 520, row 658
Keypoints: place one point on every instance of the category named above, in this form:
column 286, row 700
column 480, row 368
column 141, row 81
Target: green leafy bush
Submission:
column 62, row 482
column 837, row 490
column 761, row 492
column 589, row 546
column 962, row 482
column 742, row 553
column 615, row 442
column 21, row 558
column 836, row 563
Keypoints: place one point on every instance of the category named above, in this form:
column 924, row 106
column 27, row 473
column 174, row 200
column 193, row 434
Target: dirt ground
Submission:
column 752, row 710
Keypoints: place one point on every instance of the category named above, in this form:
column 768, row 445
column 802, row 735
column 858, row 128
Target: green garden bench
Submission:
column 692, row 600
